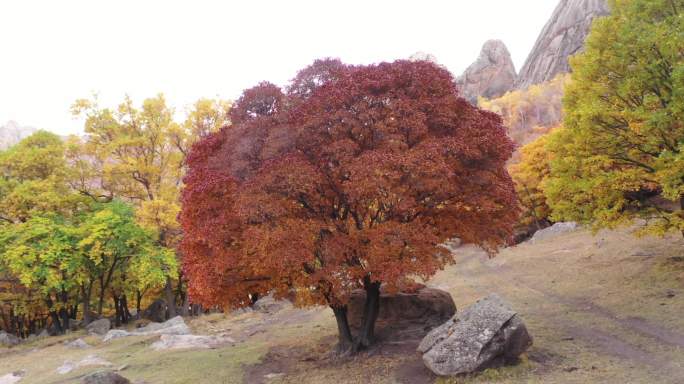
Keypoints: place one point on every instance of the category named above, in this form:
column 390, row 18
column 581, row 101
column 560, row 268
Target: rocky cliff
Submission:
column 491, row 75
column 562, row 36
column 11, row 133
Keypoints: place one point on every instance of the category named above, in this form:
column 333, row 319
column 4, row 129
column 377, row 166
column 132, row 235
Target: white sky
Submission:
column 53, row 52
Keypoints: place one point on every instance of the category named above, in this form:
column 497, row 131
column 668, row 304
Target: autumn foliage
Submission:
column 350, row 178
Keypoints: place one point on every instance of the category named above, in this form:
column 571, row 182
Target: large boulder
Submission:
column 105, row 377
column 486, row 334
column 8, row 340
column 175, row 326
column 99, row 327
column 156, row 311
column 423, row 307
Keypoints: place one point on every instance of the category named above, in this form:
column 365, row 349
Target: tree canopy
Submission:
column 619, row 155
column 350, row 179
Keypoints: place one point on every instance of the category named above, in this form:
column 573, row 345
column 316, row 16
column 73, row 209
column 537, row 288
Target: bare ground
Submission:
column 604, row 308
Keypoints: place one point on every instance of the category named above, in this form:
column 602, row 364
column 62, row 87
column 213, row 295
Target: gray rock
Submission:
column 105, row 377
column 44, row 333
column 13, row 377
column 99, row 327
column 487, row 334
column 562, row 36
column 77, row 344
column 175, row 326
column 116, row 334
column 269, row 304
column 491, row 75
column 8, row 340
column 156, row 311
column 423, row 56
column 190, row 342
column 88, row 361
column 554, row 230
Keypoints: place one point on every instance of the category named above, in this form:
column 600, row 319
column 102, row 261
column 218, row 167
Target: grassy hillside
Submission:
column 601, row 308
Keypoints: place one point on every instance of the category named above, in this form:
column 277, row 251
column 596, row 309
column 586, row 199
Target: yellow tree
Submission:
column 529, row 175
column 137, row 154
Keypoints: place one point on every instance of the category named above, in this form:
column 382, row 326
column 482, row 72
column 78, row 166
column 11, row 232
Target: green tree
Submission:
column 120, row 257
column 620, row 155
column 41, row 253
column 137, row 154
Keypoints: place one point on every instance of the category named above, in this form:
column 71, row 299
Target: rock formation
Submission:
column 562, row 36
column 423, row 56
column 12, row 133
column 487, row 334
column 491, row 75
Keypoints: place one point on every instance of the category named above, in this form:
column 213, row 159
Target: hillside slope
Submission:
column 602, row 309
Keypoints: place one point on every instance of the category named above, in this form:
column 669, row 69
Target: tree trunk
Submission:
column 186, row 304
column 138, row 300
column 366, row 336
column 86, row 293
column 170, row 299
column 54, row 316
column 63, row 311
column 100, row 301
column 345, row 340
column 124, row 309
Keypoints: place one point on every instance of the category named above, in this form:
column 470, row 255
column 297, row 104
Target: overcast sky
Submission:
column 53, row 52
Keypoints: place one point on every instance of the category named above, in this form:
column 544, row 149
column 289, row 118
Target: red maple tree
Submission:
column 351, row 179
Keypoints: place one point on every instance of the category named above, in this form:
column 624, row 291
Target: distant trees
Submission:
column 620, row 154
column 91, row 221
column 350, row 179
column 529, row 175
column 532, row 112
column 137, row 154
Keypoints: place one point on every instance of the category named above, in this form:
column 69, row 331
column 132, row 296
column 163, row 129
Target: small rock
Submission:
column 487, row 334
column 8, row 340
column 105, row 377
column 554, row 230
column 99, row 327
column 116, row 334
column 270, row 376
column 77, row 344
column 88, row 361
column 44, row 333
column 570, row 369
column 268, row 304
column 13, row 377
